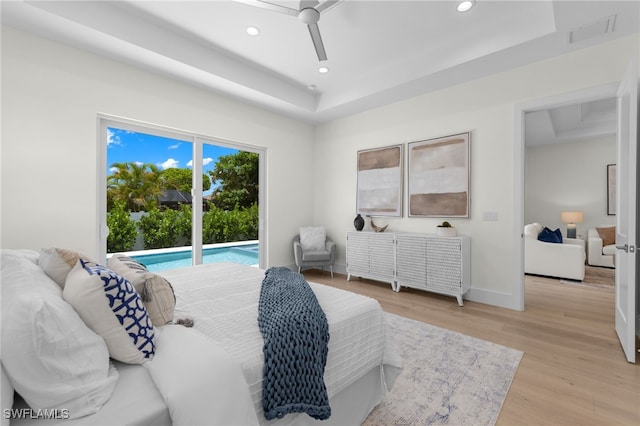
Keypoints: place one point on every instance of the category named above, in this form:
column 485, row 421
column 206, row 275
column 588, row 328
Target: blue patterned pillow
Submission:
column 112, row 308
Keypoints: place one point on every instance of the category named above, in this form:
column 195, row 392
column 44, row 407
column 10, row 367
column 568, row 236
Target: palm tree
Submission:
column 136, row 184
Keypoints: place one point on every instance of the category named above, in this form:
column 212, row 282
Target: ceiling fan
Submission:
column 309, row 14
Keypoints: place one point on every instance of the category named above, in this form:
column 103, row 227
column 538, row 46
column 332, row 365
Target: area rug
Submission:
column 596, row 276
column 599, row 276
column 447, row 378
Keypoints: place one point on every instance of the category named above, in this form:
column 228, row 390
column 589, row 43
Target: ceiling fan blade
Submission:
column 326, row 5
column 270, row 6
column 317, row 41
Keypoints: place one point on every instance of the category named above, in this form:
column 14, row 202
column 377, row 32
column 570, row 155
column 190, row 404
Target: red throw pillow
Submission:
column 608, row 235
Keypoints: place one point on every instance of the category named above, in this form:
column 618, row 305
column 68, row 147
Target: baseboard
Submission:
column 494, row 298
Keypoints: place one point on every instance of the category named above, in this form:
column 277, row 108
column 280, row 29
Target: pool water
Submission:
column 245, row 254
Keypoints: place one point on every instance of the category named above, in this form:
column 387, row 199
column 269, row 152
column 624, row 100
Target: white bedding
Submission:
column 222, row 299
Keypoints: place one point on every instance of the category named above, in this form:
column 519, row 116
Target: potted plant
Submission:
column 445, row 229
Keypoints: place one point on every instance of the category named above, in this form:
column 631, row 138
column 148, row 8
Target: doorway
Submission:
column 536, row 107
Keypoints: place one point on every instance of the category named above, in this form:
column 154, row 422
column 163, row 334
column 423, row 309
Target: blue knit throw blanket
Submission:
column 296, row 334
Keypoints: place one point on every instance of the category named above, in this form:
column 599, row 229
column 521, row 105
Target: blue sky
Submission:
column 126, row 146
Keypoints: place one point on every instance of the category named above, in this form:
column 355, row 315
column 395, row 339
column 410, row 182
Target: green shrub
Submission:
column 122, row 230
column 220, row 226
column 159, row 228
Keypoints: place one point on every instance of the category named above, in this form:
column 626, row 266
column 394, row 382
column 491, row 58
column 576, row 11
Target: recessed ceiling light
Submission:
column 465, row 5
column 323, row 70
column 253, row 31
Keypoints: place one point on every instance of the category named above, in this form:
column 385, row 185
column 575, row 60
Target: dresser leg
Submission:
column 459, row 297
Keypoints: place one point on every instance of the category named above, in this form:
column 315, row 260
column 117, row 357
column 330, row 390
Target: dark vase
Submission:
column 358, row 222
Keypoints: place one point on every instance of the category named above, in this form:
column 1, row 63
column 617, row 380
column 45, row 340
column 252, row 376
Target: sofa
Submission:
column 560, row 260
column 601, row 246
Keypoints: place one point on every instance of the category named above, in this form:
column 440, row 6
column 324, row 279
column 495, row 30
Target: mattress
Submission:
column 222, row 299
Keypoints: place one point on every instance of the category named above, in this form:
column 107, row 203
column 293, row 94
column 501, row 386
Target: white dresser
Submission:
column 422, row 261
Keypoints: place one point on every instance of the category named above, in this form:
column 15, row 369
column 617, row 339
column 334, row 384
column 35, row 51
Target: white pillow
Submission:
column 58, row 262
column 53, row 360
column 313, row 238
column 110, row 306
column 532, row 230
column 155, row 291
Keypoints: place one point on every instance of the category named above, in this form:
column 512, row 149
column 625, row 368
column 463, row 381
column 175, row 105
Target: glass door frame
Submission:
column 197, row 141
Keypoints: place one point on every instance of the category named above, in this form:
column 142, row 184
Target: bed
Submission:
column 222, row 300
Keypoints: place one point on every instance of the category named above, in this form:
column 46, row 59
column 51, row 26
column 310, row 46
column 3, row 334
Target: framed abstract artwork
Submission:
column 380, row 177
column 439, row 177
column 611, row 189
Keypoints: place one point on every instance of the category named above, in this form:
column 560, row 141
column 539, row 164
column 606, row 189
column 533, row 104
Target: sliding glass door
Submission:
column 172, row 199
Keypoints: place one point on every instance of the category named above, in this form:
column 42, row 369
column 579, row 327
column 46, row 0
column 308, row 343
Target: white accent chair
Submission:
column 564, row 260
column 599, row 254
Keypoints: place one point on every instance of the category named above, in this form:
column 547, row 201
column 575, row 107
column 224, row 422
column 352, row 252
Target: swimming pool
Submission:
column 246, row 254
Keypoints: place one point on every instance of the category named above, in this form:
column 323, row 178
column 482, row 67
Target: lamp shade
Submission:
column 571, row 217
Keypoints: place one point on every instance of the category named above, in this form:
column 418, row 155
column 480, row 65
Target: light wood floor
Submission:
column 573, row 371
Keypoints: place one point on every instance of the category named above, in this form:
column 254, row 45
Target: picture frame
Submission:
column 439, row 177
column 611, row 189
column 380, row 181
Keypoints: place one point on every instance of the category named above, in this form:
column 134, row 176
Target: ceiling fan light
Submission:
column 323, row 70
column 253, row 31
column 465, row 5
column 309, row 16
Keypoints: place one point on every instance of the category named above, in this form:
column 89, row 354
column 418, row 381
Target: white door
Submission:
column 625, row 303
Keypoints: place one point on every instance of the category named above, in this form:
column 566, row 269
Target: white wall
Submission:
column 51, row 97
column 486, row 108
column 52, row 94
column 569, row 177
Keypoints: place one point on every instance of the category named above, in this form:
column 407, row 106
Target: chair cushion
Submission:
column 608, row 235
column 316, row 256
column 313, row 238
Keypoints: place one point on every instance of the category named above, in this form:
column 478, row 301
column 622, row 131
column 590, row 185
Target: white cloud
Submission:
column 205, row 161
column 113, row 139
column 113, row 169
column 176, row 146
column 138, row 163
column 169, row 164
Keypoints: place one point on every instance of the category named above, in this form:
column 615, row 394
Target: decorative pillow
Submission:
column 110, row 306
column 549, row 236
column 49, row 354
column 608, row 235
column 156, row 292
column 532, row 230
column 58, row 262
column 313, row 238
